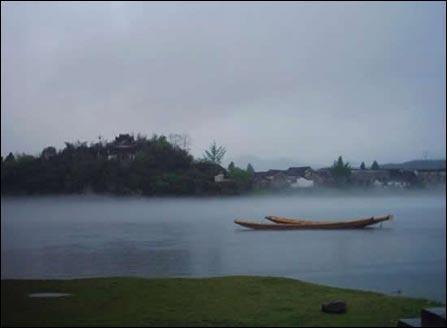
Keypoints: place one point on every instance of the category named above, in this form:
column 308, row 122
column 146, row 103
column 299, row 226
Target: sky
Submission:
column 275, row 83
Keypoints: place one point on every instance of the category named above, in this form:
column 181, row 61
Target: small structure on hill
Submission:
column 48, row 152
column 221, row 178
column 123, row 148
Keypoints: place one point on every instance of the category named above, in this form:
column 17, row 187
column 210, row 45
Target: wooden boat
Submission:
column 358, row 223
column 269, row 226
column 281, row 223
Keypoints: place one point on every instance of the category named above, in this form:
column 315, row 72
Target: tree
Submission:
column 240, row 177
column 182, row 141
column 159, row 167
column 362, row 166
column 10, row 158
column 341, row 171
column 375, row 166
column 231, row 167
column 214, row 154
column 250, row 169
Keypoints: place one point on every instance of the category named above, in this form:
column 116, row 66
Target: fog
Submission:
column 301, row 81
column 278, row 84
column 89, row 236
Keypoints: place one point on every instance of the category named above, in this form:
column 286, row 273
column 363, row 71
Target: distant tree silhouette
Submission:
column 341, row 171
column 231, row 167
column 10, row 157
column 240, row 177
column 250, row 169
column 214, row 154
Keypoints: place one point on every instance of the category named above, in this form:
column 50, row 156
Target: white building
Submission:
column 302, row 183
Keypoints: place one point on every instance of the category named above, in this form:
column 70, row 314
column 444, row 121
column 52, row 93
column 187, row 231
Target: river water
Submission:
column 89, row 236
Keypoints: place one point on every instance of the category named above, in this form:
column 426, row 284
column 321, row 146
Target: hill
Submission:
column 420, row 164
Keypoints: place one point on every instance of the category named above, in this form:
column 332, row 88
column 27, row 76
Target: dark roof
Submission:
column 274, row 171
column 124, row 139
column 209, row 168
column 297, row 171
column 271, row 173
column 294, row 171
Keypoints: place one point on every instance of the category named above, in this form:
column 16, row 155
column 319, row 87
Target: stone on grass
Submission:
column 337, row 306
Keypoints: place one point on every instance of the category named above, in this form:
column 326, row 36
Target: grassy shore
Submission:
column 227, row 301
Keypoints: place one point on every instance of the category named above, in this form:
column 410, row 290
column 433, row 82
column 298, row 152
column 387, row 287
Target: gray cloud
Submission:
column 305, row 81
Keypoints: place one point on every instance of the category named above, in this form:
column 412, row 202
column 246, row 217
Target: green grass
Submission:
column 227, row 301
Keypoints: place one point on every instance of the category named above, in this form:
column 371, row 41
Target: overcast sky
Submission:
column 304, row 82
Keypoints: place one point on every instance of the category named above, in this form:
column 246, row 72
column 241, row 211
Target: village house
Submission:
column 221, row 178
column 269, row 179
column 430, row 177
column 299, row 177
column 321, row 178
column 295, row 177
column 305, row 177
column 397, row 178
column 401, row 178
column 369, row 177
column 302, row 183
column 123, row 148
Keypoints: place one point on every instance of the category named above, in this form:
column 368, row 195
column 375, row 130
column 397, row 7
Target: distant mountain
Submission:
column 420, row 164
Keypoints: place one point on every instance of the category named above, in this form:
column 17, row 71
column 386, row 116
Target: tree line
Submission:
column 158, row 165
column 127, row 165
column 341, row 171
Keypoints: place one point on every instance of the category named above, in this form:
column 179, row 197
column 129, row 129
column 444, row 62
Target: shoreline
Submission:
column 314, row 192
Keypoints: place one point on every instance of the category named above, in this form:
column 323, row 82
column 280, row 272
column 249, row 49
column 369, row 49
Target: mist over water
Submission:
column 89, row 236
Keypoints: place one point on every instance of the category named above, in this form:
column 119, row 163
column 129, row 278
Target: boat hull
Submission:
column 291, row 224
column 359, row 223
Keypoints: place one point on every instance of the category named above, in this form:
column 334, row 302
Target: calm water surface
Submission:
column 67, row 237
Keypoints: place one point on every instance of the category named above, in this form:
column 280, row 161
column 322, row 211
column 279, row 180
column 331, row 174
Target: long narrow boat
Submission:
column 358, row 223
column 291, row 224
column 269, row 226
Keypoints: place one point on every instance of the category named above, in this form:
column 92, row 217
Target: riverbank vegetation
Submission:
column 128, row 165
column 225, row 301
column 161, row 165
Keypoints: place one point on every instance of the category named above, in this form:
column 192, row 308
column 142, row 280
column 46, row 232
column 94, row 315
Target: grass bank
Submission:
column 226, row 301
